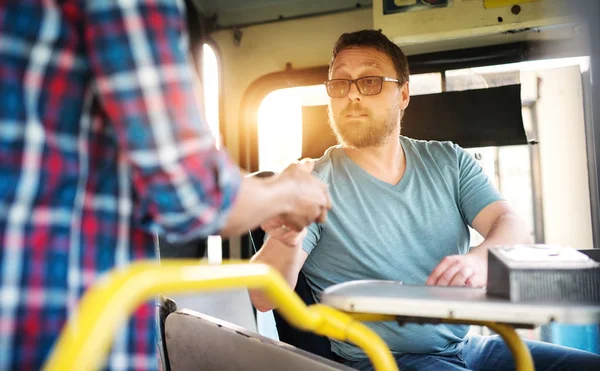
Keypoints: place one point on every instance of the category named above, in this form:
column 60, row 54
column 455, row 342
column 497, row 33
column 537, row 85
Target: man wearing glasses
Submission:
column 401, row 212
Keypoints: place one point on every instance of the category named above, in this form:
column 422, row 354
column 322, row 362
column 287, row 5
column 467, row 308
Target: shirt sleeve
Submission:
column 139, row 61
column 312, row 237
column 475, row 189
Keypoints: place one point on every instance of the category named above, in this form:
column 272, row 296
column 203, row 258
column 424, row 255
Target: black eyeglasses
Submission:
column 368, row 85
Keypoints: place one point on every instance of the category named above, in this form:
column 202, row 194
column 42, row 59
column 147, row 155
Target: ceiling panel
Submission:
column 234, row 13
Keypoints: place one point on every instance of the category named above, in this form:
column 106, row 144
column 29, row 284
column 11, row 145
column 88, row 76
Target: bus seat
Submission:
column 230, row 305
column 308, row 341
column 233, row 306
column 164, row 307
column 196, row 341
column 313, row 343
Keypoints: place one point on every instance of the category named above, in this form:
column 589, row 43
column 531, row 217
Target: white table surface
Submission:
column 461, row 303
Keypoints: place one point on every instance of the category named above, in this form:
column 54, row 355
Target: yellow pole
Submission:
column 519, row 350
column 357, row 333
column 523, row 360
column 104, row 308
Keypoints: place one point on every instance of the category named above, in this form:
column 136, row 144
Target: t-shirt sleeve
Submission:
column 475, row 189
column 312, row 237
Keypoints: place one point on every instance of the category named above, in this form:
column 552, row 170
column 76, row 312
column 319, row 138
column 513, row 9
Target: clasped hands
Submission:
column 306, row 200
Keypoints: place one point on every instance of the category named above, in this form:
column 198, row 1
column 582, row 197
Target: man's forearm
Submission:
column 285, row 259
column 508, row 229
column 257, row 200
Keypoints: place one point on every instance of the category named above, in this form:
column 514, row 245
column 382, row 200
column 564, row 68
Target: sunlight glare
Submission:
column 210, row 76
column 280, row 125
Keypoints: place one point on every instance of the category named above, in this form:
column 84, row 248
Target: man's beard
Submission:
column 371, row 133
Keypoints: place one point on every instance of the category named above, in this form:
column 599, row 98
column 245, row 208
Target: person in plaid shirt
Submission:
column 101, row 146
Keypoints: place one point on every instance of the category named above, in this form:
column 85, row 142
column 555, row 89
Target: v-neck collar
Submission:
column 405, row 177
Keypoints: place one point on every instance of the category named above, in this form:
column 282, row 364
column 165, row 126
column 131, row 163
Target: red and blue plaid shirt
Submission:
column 101, row 146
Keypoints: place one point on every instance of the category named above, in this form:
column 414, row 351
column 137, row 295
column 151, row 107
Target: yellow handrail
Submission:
column 519, row 350
column 104, row 308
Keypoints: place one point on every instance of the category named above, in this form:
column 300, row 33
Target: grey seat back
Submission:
column 196, row 341
column 230, row 305
column 233, row 306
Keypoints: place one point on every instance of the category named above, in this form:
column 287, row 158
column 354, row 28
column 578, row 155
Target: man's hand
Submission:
column 499, row 225
column 307, row 197
column 276, row 229
column 460, row 270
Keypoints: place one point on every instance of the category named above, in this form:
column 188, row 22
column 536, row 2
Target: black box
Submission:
column 543, row 273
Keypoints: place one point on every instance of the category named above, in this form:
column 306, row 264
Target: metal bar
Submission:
column 592, row 140
column 359, row 334
column 519, row 350
column 536, row 179
column 105, row 307
column 282, row 18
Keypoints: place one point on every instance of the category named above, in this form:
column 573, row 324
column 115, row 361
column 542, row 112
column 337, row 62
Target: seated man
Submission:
column 401, row 211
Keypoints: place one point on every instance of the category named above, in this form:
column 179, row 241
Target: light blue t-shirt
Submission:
column 400, row 232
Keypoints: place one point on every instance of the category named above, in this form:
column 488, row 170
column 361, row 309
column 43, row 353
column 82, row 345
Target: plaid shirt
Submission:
column 101, row 145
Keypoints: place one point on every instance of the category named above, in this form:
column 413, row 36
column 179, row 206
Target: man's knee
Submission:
column 547, row 356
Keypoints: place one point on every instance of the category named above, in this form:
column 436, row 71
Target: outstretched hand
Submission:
column 308, row 198
column 460, row 270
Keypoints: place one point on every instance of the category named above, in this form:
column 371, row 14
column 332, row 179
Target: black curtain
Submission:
column 470, row 118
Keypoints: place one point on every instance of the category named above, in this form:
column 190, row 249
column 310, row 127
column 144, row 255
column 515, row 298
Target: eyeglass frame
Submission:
column 353, row 81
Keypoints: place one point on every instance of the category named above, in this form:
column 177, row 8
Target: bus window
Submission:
column 210, row 78
column 280, row 124
column 280, row 118
column 529, row 176
column 425, row 83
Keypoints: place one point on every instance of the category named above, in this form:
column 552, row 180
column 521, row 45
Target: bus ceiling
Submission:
column 419, row 26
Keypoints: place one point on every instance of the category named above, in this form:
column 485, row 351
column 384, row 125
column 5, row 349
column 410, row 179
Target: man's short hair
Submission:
column 376, row 40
